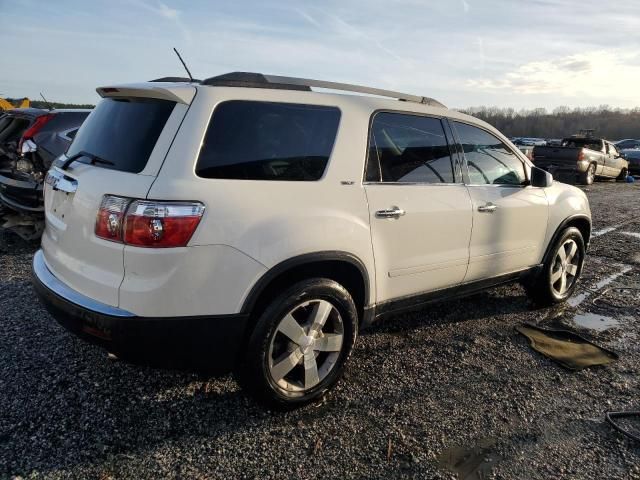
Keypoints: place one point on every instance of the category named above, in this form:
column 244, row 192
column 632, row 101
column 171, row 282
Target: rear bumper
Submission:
column 212, row 343
column 552, row 166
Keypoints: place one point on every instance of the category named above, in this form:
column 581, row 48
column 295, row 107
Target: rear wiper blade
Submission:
column 94, row 159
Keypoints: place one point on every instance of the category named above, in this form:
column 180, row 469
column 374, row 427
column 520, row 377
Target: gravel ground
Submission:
column 421, row 388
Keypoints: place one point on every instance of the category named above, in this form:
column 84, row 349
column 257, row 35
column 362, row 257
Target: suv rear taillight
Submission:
column 581, row 156
column 39, row 122
column 147, row 223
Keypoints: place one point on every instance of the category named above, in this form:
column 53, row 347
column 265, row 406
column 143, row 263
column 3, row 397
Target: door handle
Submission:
column 393, row 212
column 488, row 208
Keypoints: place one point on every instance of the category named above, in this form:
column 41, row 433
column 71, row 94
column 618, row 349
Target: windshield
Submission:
column 122, row 131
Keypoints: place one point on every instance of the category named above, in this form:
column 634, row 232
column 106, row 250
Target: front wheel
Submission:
column 623, row 176
column 560, row 272
column 301, row 342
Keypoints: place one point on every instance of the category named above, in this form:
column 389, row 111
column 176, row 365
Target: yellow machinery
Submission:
column 4, row 105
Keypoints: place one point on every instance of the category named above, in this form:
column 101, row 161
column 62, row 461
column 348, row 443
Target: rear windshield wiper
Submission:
column 94, row 159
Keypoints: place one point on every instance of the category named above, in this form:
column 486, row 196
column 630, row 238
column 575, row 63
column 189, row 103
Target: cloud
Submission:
column 601, row 73
column 465, row 6
column 163, row 10
column 337, row 25
column 167, row 12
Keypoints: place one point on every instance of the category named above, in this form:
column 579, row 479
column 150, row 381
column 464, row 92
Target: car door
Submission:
column 614, row 161
column 419, row 208
column 509, row 216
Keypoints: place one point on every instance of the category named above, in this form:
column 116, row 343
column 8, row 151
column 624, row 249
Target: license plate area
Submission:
column 60, row 188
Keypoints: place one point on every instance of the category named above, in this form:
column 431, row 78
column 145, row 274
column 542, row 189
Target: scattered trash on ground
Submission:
column 635, row 433
column 566, row 348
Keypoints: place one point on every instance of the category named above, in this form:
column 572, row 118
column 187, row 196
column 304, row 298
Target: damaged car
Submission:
column 30, row 140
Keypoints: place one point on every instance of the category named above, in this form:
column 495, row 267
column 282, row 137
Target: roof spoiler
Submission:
column 178, row 93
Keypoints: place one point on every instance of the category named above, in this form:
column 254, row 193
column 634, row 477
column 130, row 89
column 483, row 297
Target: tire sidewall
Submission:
column 575, row 235
column 591, row 174
column 266, row 327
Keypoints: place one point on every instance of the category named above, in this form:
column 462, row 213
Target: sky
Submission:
column 519, row 54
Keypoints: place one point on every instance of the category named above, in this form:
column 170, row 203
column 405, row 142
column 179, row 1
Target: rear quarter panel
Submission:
column 272, row 221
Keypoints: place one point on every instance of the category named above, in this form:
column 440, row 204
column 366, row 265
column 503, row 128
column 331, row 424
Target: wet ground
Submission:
column 452, row 391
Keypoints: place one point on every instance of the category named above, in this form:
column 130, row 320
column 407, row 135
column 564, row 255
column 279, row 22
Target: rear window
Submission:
column 123, row 131
column 268, row 141
column 589, row 143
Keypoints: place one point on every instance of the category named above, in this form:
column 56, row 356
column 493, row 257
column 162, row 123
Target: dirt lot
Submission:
column 422, row 389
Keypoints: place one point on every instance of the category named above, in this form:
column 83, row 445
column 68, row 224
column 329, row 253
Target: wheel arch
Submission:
column 579, row 221
column 343, row 267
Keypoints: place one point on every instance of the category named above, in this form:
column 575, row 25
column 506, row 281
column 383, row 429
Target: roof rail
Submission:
column 175, row 80
column 259, row 80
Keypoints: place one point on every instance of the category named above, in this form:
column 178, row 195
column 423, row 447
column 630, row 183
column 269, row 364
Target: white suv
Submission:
column 248, row 223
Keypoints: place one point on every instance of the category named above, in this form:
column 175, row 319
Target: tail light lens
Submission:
column 581, row 155
column 161, row 224
column 40, row 122
column 111, row 217
column 145, row 223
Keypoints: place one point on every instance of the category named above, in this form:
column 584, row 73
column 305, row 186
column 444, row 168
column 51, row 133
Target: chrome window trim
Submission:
column 426, row 184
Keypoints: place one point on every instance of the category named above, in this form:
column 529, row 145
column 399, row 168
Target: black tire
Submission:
column 254, row 373
column 588, row 177
column 540, row 289
column 623, row 176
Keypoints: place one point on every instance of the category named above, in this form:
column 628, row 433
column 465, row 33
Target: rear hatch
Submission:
column 119, row 150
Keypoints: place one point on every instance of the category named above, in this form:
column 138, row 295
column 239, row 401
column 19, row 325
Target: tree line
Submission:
column 611, row 123
column 42, row 104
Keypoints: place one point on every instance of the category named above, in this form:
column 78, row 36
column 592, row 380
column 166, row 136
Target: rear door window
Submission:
column 123, row 131
column 408, row 149
column 249, row 140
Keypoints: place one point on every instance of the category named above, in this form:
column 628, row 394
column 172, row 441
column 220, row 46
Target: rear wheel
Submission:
column 299, row 347
column 587, row 178
column 560, row 272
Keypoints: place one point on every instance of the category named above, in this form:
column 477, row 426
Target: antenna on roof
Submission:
column 183, row 64
column 46, row 101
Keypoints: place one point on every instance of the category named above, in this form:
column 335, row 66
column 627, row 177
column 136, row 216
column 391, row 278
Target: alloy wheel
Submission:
column 564, row 269
column 306, row 346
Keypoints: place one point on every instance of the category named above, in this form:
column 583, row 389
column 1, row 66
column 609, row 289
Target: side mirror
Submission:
column 540, row 178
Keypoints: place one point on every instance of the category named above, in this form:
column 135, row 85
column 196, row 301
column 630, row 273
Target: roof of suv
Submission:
column 182, row 90
column 259, row 80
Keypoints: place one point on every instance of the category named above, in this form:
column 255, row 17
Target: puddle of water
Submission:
column 594, row 321
column 578, row 299
column 470, row 463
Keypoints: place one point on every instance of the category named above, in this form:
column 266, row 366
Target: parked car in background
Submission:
column 633, row 157
column 527, row 150
column 582, row 159
column 529, row 142
column 233, row 224
column 627, row 143
column 30, row 140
